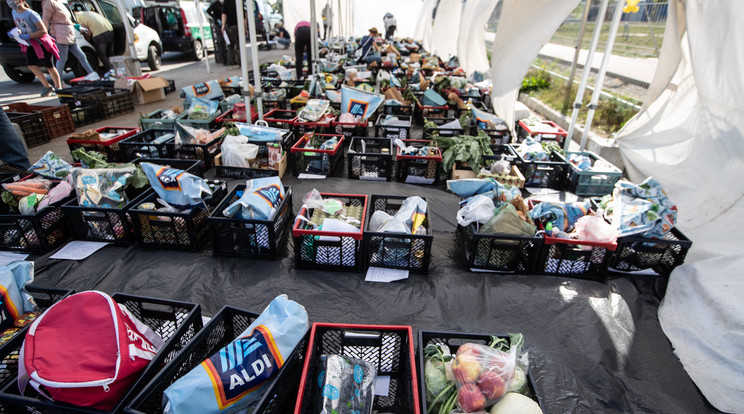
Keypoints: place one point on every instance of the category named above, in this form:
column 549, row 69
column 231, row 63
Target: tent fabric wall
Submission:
column 423, row 25
column 471, row 44
column 369, row 14
column 691, row 139
column 524, row 27
column 446, row 28
column 296, row 11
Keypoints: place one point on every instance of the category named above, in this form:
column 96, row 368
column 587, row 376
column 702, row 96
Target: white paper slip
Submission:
column 311, row 176
column 383, row 274
column 78, row 250
column 336, row 226
column 10, row 257
column 382, row 385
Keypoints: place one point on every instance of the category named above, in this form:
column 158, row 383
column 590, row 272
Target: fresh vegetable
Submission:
column 515, row 403
column 465, row 149
column 435, row 378
column 518, row 384
column 25, row 188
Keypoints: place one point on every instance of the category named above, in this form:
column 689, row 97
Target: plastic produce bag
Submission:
column 202, row 108
column 408, row 219
column 346, row 385
column 176, row 187
column 57, row 193
column 238, row 375
column 506, row 220
column 479, row 209
column 261, row 198
column 333, row 96
column 563, row 216
column 238, row 152
column 482, row 375
column 260, row 132
column 102, row 187
column 642, row 209
column 51, row 166
column 194, row 136
column 531, row 150
column 485, row 120
column 359, row 103
column 594, row 228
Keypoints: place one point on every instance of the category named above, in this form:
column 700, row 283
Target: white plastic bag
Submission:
column 596, row 229
column 479, row 209
column 238, row 152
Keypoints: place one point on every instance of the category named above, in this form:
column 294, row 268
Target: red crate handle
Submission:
column 131, row 132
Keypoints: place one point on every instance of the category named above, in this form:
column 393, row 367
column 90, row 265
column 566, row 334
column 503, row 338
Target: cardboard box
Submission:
column 145, row 90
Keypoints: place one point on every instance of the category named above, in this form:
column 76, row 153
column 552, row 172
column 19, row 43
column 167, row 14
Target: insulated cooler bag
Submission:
column 86, row 350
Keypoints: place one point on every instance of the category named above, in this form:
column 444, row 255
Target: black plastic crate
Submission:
column 370, row 159
column 57, row 119
column 575, row 258
column 176, row 322
column 351, row 129
column 398, row 110
column 77, row 92
column 321, row 126
column 422, row 112
column 498, row 252
column 32, row 127
column 314, row 249
column 187, row 230
column 222, row 329
column 240, row 173
column 208, row 123
column 112, row 225
column 443, row 132
column 44, row 298
column 453, row 341
column 141, row 145
column 171, row 86
column 393, row 132
column 416, row 169
column 202, row 152
column 388, row 347
column 635, row 253
column 85, row 112
column 110, row 148
column 551, row 174
column 38, row 233
column 500, row 135
column 114, row 101
column 281, row 118
column 317, row 161
column 404, row 251
column 263, row 239
column 475, row 102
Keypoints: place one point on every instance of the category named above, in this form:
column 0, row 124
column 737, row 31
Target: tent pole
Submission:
column 313, row 36
column 256, row 70
column 579, row 42
column 243, row 57
column 201, row 30
column 602, row 72
column 585, row 74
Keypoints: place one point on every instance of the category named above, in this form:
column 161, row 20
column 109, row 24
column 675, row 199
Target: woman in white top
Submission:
column 57, row 18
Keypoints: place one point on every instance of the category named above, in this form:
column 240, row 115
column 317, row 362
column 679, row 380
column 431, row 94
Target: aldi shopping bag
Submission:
column 86, row 350
column 15, row 301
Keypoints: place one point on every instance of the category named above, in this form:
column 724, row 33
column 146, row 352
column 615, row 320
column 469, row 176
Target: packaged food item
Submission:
column 238, row 375
column 102, row 187
column 176, row 187
column 51, row 166
column 260, row 200
column 346, row 385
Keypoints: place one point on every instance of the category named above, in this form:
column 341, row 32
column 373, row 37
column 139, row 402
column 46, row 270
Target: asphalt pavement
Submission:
column 176, row 66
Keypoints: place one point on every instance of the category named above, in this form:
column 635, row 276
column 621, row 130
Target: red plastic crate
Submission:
column 305, row 159
column 558, row 136
column 394, row 354
column 351, row 129
column 322, row 125
column 228, row 117
column 281, row 118
column 110, row 148
column 57, row 118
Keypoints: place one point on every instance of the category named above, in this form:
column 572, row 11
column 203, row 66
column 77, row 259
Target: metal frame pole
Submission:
column 313, row 36
column 201, row 30
column 256, row 71
column 579, row 42
column 602, row 71
column 585, row 74
column 243, row 57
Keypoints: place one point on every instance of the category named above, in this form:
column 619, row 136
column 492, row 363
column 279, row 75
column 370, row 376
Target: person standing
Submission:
column 102, row 32
column 57, row 18
column 390, row 25
column 230, row 28
column 12, row 149
column 282, row 35
column 327, row 15
column 33, row 31
column 302, row 46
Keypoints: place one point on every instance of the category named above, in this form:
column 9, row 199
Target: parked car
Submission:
column 147, row 44
column 177, row 23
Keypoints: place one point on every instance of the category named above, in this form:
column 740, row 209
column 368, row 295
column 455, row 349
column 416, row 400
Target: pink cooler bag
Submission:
column 86, row 350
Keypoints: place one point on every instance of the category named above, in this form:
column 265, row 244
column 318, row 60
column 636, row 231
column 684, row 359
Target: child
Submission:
column 42, row 46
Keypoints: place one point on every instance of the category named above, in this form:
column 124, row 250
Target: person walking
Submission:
column 42, row 46
column 59, row 21
column 302, row 47
column 390, row 25
column 327, row 15
column 103, row 35
column 282, row 35
column 230, row 28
